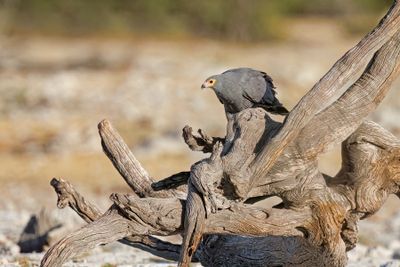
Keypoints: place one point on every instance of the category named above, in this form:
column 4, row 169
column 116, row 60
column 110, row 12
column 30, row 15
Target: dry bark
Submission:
column 315, row 224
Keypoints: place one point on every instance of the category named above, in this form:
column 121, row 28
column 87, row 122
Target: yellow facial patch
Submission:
column 211, row 82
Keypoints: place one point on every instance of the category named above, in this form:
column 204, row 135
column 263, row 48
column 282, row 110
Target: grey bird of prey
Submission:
column 242, row 88
column 236, row 89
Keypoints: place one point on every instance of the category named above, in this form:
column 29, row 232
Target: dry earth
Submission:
column 53, row 92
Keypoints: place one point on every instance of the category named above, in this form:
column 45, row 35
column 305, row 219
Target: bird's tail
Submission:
column 277, row 109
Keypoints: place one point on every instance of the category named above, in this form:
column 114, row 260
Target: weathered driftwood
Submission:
column 315, row 224
column 68, row 196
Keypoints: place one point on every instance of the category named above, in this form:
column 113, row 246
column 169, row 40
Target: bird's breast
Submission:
column 232, row 105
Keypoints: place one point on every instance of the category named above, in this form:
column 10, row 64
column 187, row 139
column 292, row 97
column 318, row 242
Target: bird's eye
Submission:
column 211, row 81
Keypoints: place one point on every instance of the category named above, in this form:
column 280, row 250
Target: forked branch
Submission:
column 68, row 196
column 287, row 228
column 317, row 219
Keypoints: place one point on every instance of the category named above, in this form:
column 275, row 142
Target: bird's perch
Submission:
column 316, row 223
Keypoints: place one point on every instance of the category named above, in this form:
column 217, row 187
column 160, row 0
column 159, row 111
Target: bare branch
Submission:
column 324, row 92
column 67, row 195
column 317, row 220
column 127, row 165
column 259, row 221
column 108, row 228
column 201, row 142
column 314, row 231
column 156, row 216
column 346, row 114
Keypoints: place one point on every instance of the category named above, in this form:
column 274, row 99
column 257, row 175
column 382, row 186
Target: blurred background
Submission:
column 66, row 65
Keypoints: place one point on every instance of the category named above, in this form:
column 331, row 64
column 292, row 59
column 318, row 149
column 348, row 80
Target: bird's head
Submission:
column 211, row 82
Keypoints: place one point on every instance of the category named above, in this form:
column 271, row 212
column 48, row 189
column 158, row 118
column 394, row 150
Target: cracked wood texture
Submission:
column 316, row 223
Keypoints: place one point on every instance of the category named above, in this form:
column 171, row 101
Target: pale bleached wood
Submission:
column 108, row 228
column 127, row 165
column 317, row 219
column 130, row 169
column 201, row 142
column 68, row 196
column 294, row 229
column 374, row 83
column 340, row 119
column 324, row 92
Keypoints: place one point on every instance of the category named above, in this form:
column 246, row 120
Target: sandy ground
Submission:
column 53, row 92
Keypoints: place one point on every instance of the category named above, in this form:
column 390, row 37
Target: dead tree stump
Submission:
column 316, row 223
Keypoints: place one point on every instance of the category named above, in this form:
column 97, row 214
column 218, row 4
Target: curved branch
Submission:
column 108, row 228
column 127, row 165
column 194, row 222
column 323, row 93
column 200, row 202
column 130, row 169
column 346, row 114
column 318, row 215
column 370, row 168
column 67, row 195
column 315, row 231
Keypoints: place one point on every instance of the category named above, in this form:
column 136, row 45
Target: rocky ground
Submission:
column 53, row 92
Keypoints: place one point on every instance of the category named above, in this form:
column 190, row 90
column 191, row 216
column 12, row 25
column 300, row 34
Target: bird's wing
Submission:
column 260, row 91
column 248, row 97
column 259, row 88
column 219, row 99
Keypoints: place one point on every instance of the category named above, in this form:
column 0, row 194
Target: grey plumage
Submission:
column 242, row 88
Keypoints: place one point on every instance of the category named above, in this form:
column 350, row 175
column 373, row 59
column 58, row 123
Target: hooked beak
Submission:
column 204, row 85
